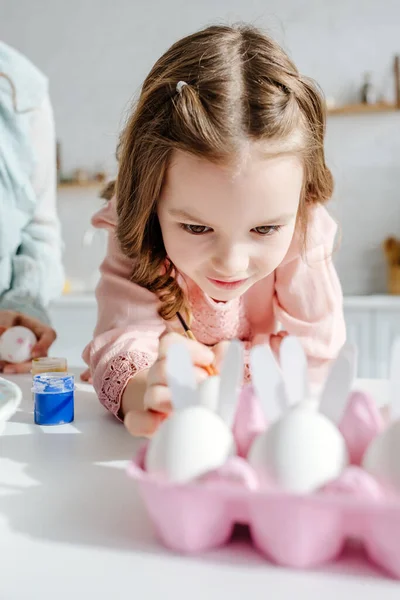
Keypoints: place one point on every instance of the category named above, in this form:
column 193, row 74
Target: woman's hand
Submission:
column 45, row 337
column 145, row 409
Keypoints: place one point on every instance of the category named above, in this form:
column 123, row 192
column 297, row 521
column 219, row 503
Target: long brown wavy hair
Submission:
column 241, row 85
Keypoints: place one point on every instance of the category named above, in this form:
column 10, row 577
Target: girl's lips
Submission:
column 227, row 285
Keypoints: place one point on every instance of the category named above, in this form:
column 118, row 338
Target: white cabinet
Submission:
column 74, row 319
column 373, row 322
column 360, row 331
column 387, row 328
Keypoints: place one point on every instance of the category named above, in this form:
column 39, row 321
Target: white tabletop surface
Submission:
column 72, row 526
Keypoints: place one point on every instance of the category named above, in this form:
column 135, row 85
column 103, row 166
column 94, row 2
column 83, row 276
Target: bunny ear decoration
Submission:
column 394, row 375
column 181, row 376
column 338, row 385
column 294, row 369
column 351, row 351
column 231, row 380
column 267, row 381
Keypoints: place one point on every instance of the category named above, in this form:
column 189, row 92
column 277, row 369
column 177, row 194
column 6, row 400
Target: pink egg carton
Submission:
column 300, row 531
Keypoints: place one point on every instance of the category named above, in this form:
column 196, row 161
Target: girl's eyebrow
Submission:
column 184, row 214
column 281, row 219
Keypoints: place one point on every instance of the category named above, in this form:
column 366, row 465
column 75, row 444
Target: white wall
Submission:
column 97, row 52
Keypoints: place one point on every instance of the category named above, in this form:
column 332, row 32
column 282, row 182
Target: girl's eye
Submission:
column 267, row 229
column 195, row 229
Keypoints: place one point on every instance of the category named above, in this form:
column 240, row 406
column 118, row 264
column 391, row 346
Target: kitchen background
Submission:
column 96, row 54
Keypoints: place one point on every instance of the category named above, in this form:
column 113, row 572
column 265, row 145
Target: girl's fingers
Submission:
column 201, row 355
column 158, row 398
column 86, row 376
column 143, row 423
column 282, row 334
column 157, row 374
column 274, row 340
column 219, row 353
column 261, row 339
column 275, row 343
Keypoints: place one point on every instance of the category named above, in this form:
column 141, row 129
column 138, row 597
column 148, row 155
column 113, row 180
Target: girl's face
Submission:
column 227, row 227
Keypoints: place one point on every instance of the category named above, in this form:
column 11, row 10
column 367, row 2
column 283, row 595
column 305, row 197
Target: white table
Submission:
column 72, row 526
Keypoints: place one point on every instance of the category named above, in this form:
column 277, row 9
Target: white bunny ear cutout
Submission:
column 267, row 381
column 338, row 385
column 231, row 380
column 394, row 375
column 293, row 362
column 351, row 352
column 181, row 376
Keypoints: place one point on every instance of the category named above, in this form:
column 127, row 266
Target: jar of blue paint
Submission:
column 53, row 395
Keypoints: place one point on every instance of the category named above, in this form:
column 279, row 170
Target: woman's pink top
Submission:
column 302, row 296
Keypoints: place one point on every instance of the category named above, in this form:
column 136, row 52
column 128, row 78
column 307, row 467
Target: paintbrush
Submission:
column 189, row 333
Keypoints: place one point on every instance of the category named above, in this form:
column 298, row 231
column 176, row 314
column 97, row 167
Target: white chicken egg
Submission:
column 197, row 438
column 16, row 344
column 300, row 452
column 303, row 449
column 189, row 444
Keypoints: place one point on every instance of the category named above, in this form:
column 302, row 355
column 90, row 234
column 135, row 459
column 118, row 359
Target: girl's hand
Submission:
column 86, row 376
column 147, row 411
column 45, row 336
column 273, row 339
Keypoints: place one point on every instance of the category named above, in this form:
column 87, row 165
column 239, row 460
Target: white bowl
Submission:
column 10, row 399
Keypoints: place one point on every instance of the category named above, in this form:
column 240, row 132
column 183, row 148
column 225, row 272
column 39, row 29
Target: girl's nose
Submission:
column 231, row 261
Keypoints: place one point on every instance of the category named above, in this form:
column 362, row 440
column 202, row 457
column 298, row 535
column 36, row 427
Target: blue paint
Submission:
column 53, row 395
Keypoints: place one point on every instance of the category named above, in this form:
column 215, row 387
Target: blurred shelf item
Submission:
column 362, row 108
column 68, row 184
column 80, row 178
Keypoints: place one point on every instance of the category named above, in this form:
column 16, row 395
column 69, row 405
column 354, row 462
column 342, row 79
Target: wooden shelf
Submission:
column 379, row 107
column 361, row 109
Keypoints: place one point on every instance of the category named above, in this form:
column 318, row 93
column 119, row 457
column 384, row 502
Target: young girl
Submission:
column 217, row 213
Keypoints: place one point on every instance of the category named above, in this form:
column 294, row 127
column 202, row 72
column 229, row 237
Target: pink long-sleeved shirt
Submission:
column 303, row 295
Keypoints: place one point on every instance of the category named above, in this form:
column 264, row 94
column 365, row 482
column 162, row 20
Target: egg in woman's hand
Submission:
column 16, row 344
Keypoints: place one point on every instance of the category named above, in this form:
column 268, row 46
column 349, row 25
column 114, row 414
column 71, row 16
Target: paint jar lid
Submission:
column 53, row 383
column 48, row 364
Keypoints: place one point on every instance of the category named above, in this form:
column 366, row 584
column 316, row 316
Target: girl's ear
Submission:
column 231, row 382
column 394, row 376
column 338, row 385
column 267, row 381
column 181, row 376
column 293, row 363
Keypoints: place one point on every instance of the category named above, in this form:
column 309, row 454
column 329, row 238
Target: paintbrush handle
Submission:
column 211, row 370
